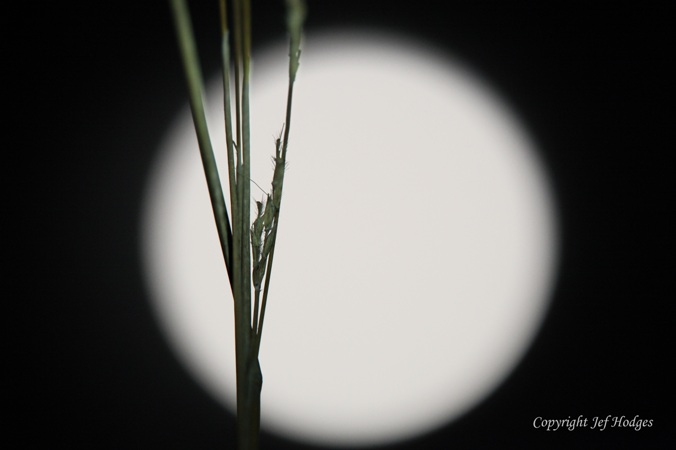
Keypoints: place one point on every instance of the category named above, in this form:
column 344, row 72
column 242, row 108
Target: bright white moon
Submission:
column 416, row 248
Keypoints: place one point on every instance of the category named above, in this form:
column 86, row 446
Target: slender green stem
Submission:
column 243, row 240
column 237, row 45
column 193, row 75
column 225, row 50
column 257, row 298
column 295, row 17
column 268, row 271
column 249, row 379
column 245, row 182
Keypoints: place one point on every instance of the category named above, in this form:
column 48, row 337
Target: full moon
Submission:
column 416, row 248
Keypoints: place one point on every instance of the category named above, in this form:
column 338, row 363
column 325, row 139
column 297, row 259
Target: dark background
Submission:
column 92, row 87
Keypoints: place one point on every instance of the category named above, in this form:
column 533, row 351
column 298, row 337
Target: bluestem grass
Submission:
column 248, row 248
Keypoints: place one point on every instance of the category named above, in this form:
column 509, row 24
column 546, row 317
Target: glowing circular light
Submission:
column 416, row 248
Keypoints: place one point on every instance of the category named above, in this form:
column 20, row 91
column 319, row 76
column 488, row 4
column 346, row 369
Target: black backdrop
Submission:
column 92, row 87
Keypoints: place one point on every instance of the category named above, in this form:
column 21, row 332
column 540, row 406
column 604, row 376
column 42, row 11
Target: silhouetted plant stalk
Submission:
column 248, row 248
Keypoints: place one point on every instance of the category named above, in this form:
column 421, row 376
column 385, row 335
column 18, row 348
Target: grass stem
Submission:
column 193, row 75
column 240, row 240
